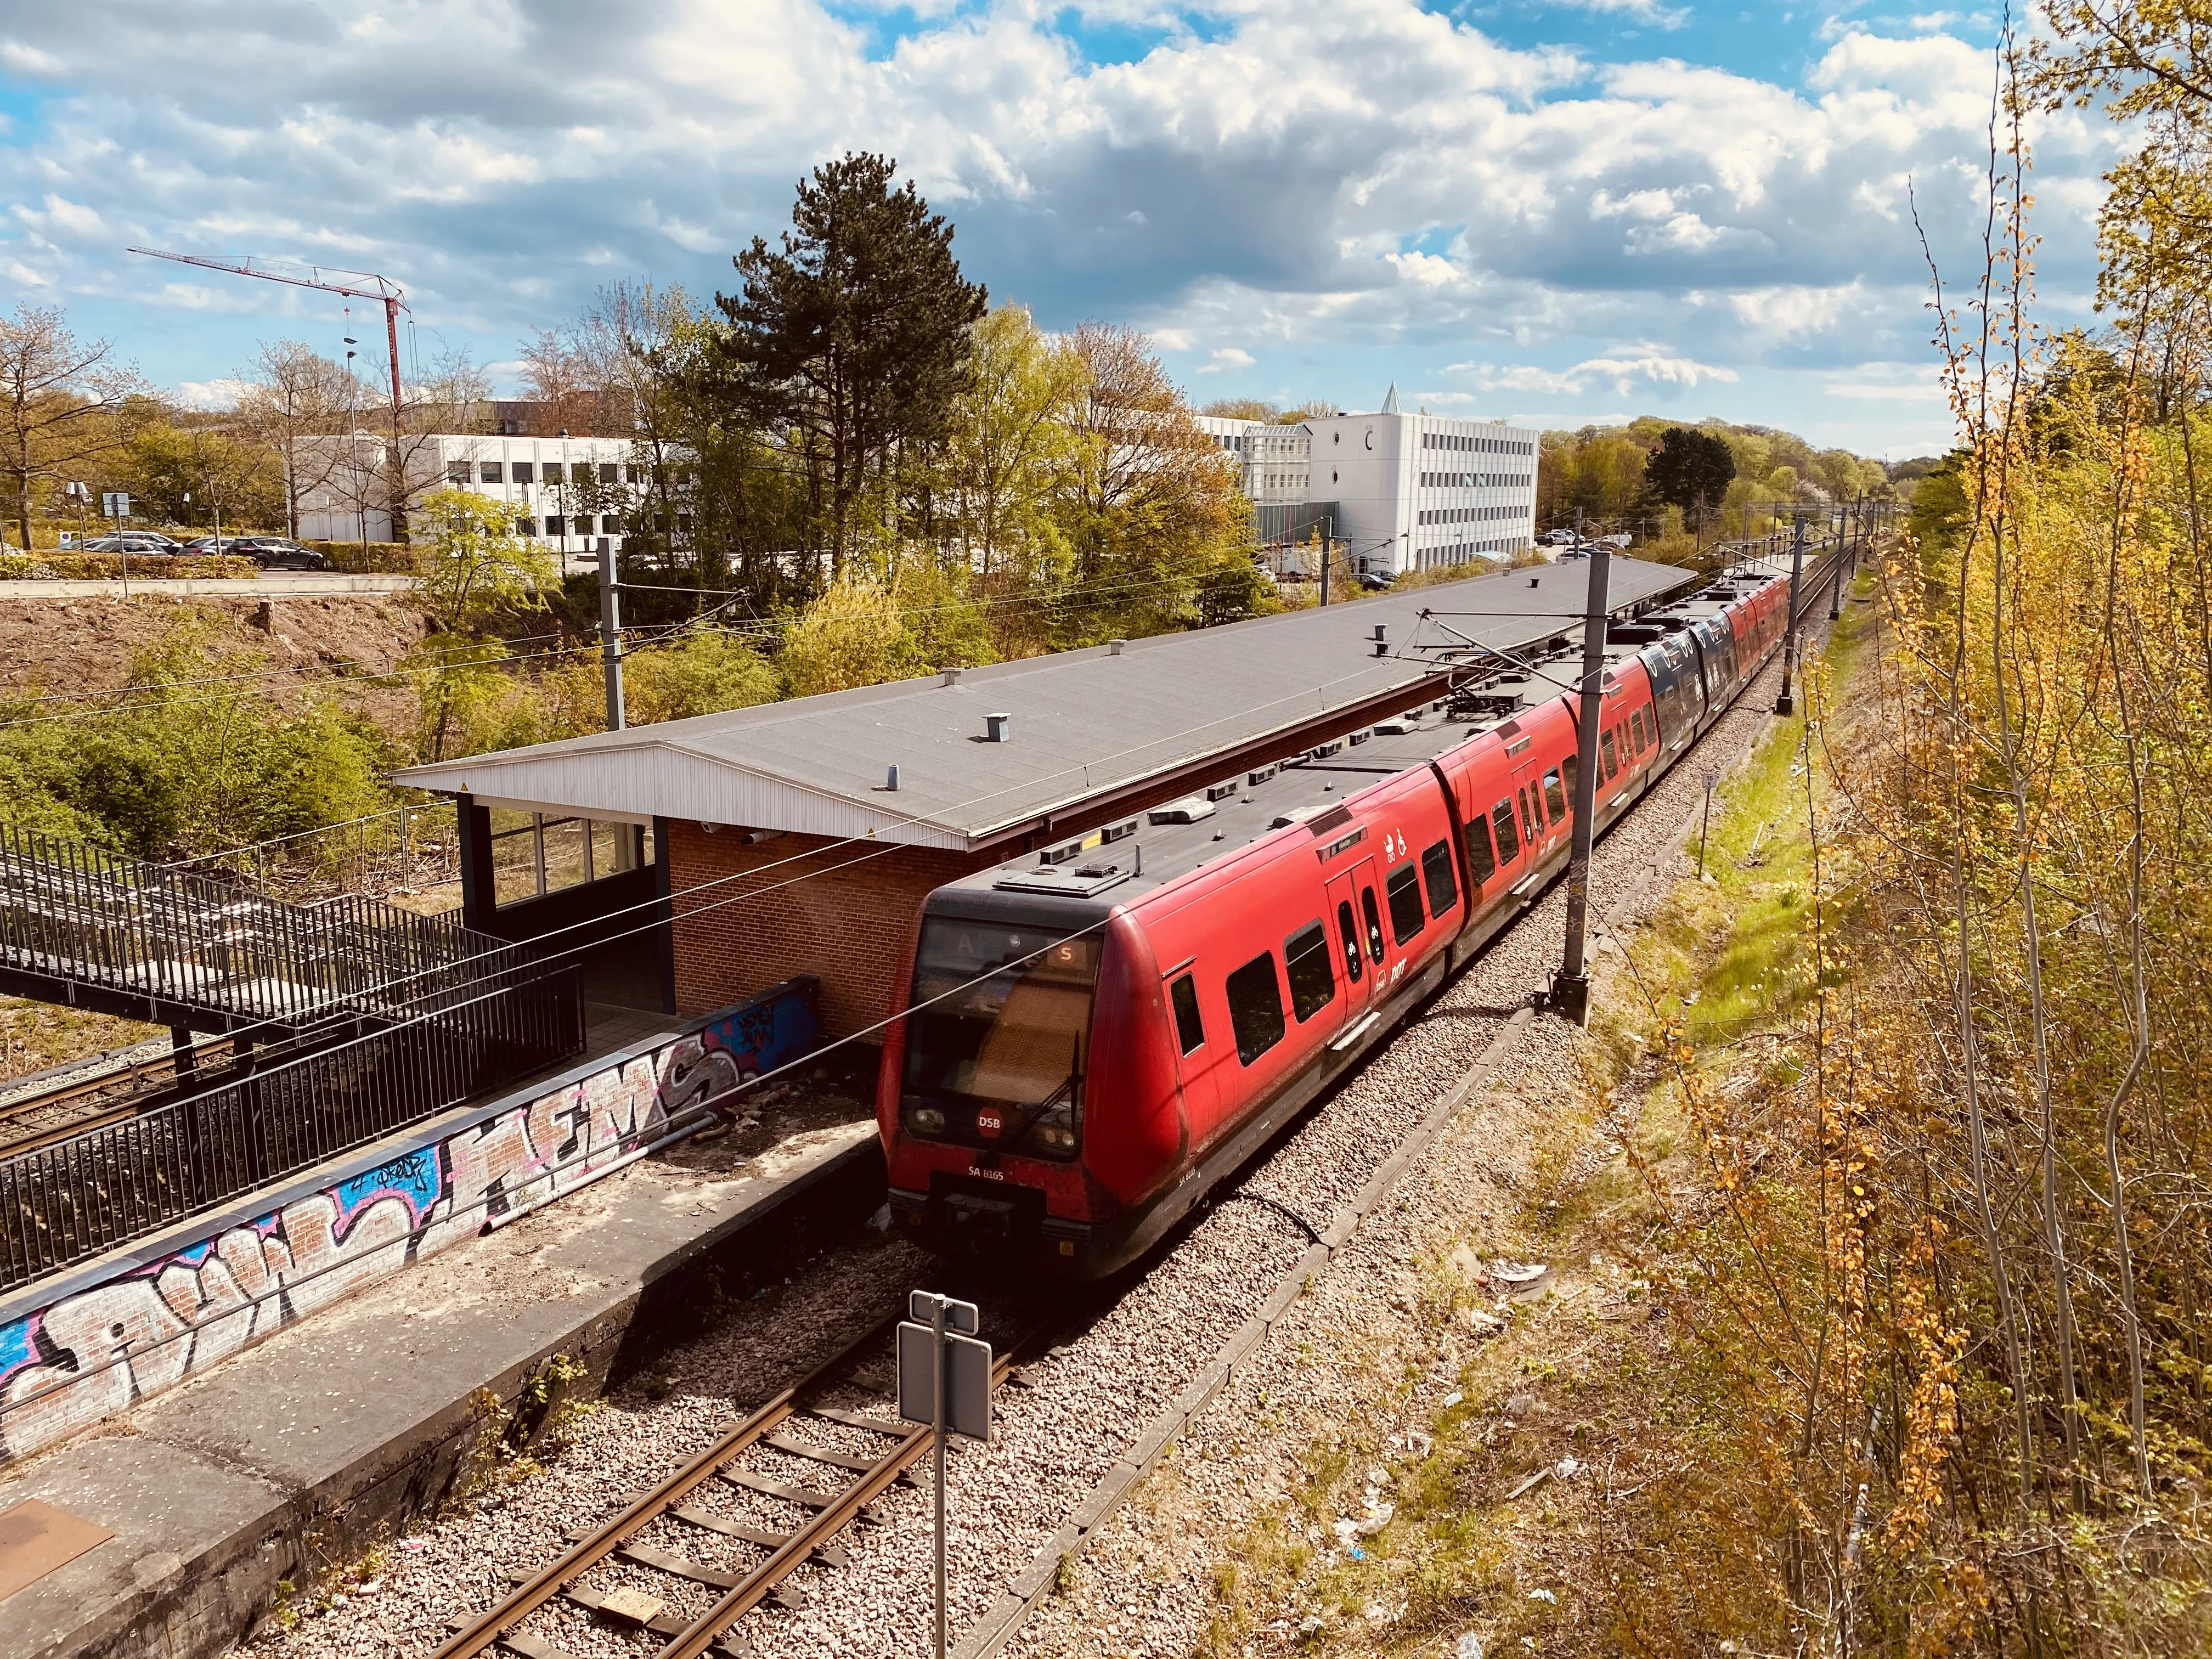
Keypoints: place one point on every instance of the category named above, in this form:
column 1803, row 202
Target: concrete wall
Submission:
column 842, row 911
column 95, row 1341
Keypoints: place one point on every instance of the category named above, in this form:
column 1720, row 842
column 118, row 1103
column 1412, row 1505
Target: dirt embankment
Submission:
column 50, row 646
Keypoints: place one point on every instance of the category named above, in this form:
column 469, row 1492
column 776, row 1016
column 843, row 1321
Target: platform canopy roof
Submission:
column 1083, row 726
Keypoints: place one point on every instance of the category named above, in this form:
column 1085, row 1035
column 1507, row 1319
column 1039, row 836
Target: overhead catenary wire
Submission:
column 213, row 1040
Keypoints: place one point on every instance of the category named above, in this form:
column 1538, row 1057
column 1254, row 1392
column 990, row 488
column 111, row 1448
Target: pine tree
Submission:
column 851, row 340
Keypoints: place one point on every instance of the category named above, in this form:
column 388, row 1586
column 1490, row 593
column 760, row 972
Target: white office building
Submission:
column 567, row 493
column 1272, row 460
column 1404, row 492
column 1419, row 492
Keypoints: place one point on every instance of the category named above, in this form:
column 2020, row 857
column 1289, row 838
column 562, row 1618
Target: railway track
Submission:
column 821, row 1452
column 1089, row 1392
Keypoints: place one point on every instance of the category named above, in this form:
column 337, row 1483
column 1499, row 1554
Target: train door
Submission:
column 1353, row 937
column 1198, row 1050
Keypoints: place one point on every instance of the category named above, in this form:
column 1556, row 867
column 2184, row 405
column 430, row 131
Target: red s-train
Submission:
column 1089, row 1046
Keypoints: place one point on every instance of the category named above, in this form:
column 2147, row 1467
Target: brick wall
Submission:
column 847, row 922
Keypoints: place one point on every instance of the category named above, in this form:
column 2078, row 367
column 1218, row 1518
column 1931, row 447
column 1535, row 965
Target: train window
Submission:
column 1003, row 1016
column 1443, row 885
column 1555, row 797
column 1313, row 985
column 1569, row 766
column 1481, row 863
column 1636, row 728
column 1535, row 812
column 1528, row 830
column 1190, row 1025
column 1255, row 1007
column 1608, row 762
column 1404, row 890
column 1374, row 918
column 1348, row 930
column 1509, row 838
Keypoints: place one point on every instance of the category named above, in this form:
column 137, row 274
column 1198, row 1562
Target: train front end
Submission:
column 1004, row 1101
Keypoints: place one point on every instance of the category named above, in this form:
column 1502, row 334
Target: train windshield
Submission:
column 1000, row 1030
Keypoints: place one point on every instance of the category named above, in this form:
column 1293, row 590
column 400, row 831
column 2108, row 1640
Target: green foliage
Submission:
column 188, row 475
column 471, row 565
column 1010, row 448
column 853, row 635
column 851, row 341
column 188, row 757
column 1690, row 469
column 466, row 704
column 700, row 674
column 1939, row 511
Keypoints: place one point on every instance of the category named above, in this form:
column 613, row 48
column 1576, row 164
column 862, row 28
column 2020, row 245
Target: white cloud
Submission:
column 1893, row 383
column 1427, row 269
column 1648, row 370
column 1273, row 177
column 1227, row 357
column 1641, row 11
column 211, row 394
column 1792, row 311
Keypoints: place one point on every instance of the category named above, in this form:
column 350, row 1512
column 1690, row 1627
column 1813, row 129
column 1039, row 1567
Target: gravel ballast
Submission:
column 1127, row 1352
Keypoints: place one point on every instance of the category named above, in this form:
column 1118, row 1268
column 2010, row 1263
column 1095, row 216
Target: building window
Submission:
column 522, row 472
column 553, row 523
column 534, row 854
column 488, row 473
column 1255, row 1007
column 553, row 472
column 526, row 526
column 457, row 472
column 607, row 470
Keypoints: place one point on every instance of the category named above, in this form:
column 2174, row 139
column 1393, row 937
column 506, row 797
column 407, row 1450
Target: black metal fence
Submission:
column 73, row 914
column 254, row 1124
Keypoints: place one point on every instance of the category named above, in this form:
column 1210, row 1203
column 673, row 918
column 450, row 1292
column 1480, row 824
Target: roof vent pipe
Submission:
column 1115, row 647
column 995, row 728
column 1381, row 639
column 952, row 676
column 891, row 780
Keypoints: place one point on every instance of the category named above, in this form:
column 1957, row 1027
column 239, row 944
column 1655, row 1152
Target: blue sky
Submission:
column 1562, row 212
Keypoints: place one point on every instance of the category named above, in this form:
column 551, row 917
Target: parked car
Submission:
column 280, row 553
column 144, row 542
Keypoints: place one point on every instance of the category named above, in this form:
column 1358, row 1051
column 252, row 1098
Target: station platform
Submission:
column 298, row 1451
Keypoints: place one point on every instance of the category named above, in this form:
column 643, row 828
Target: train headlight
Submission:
column 1059, row 1137
column 925, row 1120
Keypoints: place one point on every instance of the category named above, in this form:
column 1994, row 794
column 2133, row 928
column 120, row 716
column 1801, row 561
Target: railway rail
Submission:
column 859, row 1448
column 1192, row 1294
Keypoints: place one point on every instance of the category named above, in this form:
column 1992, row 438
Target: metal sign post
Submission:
column 944, row 1381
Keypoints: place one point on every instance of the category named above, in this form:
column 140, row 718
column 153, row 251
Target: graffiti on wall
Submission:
column 66, row 1366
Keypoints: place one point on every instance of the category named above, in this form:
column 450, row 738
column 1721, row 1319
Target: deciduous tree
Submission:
column 294, row 393
column 470, row 561
column 61, row 404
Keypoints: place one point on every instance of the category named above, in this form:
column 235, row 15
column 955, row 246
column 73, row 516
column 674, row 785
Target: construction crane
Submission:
column 387, row 292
